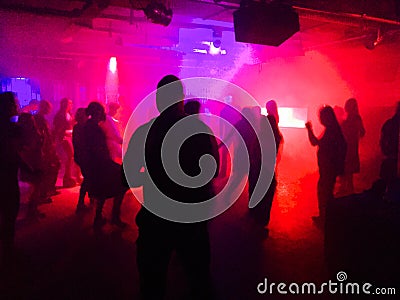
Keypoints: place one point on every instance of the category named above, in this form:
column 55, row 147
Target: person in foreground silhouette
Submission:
column 331, row 157
column 104, row 176
column 159, row 237
column 10, row 137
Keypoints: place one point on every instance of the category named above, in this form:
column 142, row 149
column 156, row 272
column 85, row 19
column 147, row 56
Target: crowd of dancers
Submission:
column 31, row 148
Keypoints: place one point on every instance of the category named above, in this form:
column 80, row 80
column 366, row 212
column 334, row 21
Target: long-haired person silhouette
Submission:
column 331, row 157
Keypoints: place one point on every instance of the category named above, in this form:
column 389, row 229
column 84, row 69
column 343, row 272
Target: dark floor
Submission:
column 61, row 257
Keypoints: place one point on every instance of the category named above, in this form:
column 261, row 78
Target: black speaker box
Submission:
column 265, row 23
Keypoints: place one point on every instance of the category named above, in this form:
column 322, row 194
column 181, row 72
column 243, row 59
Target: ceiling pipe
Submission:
column 325, row 16
column 322, row 15
column 73, row 13
column 345, row 18
column 87, row 8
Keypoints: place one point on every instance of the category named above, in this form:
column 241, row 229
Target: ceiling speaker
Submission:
column 265, row 23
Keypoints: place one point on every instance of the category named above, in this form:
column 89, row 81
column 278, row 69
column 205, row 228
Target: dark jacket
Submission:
column 145, row 151
column 104, row 176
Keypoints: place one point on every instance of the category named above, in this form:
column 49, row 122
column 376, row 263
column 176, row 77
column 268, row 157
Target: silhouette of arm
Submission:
column 275, row 130
column 311, row 136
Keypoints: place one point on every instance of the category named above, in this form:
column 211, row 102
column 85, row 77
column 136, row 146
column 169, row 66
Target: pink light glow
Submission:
column 112, row 81
column 113, row 64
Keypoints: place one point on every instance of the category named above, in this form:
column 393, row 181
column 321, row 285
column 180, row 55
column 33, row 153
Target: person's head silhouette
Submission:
column 351, row 107
column 327, row 117
column 170, row 94
column 95, row 111
column 66, row 105
column 81, row 116
column 45, row 107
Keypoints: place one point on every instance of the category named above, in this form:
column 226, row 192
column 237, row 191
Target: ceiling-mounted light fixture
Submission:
column 215, row 47
column 216, row 43
column 210, row 49
column 217, row 36
column 158, row 13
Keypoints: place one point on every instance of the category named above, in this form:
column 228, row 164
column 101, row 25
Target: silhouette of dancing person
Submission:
column 159, row 237
column 273, row 119
column 331, row 156
column 262, row 211
column 247, row 128
column 231, row 116
column 389, row 143
column 111, row 128
column 78, row 142
column 353, row 129
column 32, row 170
column 10, row 137
column 251, row 126
column 103, row 175
column 51, row 161
column 62, row 123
